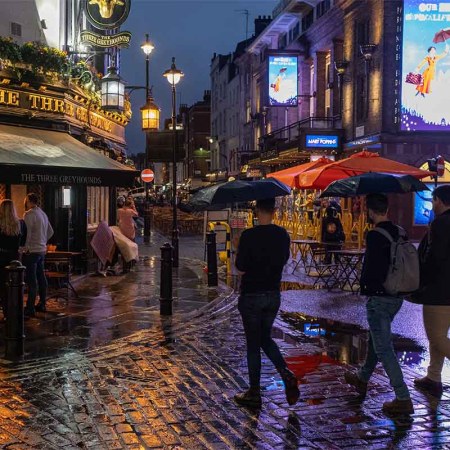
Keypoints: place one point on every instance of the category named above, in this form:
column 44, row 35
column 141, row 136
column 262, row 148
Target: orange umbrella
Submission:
column 356, row 164
column 290, row 176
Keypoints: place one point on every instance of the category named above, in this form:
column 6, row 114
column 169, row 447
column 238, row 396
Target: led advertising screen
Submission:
column 423, row 208
column 321, row 141
column 283, row 80
column 425, row 97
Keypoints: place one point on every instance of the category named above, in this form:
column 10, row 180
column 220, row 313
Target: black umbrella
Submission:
column 373, row 183
column 238, row 191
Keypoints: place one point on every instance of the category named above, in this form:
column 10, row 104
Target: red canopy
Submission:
column 290, row 176
column 356, row 164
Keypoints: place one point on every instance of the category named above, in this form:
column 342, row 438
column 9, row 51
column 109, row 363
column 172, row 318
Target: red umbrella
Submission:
column 442, row 36
column 290, row 176
column 356, row 164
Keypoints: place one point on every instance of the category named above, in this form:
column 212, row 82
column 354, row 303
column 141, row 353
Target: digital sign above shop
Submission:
column 425, row 96
column 283, row 80
column 321, row 141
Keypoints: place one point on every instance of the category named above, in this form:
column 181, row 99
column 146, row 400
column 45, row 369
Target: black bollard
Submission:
column 211, row 258
column 165, row 300
column 14, row 330
column 147, row 222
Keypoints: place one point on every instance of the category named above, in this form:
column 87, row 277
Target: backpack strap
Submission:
column 385, row 233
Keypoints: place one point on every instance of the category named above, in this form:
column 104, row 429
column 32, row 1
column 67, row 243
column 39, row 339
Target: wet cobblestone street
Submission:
column 170, row 385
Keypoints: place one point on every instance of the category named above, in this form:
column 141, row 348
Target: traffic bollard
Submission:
column 147, row 223
column 14, row 329
column 211, row 258
column 165, row 300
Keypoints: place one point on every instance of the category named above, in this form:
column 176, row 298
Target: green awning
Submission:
column 34, row 156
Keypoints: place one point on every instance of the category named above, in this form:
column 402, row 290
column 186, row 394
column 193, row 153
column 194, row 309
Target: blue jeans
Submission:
column 380, row 314
column 35, row 276
column 258, row 312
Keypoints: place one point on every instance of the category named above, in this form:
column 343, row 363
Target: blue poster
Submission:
column 321, row 141
column 423, row 208
column 425, row 96
column 283, row 80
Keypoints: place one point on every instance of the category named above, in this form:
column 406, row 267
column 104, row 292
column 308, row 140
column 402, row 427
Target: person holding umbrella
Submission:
column 262, row 253
column 430, row 71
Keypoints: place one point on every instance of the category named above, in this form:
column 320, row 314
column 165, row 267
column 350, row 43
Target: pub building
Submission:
column 57, row 138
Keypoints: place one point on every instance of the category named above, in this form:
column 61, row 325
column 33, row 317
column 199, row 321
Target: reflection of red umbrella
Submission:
column 442, row 36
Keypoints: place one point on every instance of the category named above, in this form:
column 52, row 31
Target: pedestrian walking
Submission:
column 434, row 294
column 13, row 233
column 125, row 219
column 262, row 253
column 381, row 308
column 39, row 231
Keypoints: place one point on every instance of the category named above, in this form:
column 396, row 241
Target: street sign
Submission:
column 440, row 166
column 147, row 176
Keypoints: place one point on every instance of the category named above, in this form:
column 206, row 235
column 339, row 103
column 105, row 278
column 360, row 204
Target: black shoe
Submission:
column 290, row 386
column 29, row 312
column 250, row 398
column 432, row 387
column 40, row 307
column 353, row 379
column 398, row 407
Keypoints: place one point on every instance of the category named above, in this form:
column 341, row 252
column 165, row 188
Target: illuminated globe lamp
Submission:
column 113, row 91
column 147, row 47
column 173, row 75
column 150, row 115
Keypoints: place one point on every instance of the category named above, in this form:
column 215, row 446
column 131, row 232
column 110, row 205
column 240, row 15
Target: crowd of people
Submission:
column 264, row 250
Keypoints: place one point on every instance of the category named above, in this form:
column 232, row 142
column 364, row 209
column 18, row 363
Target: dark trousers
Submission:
column 258, row 312
column 35, row 278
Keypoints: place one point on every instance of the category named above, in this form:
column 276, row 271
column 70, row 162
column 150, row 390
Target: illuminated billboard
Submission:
column 283, row 80
column 321, row 141
column 425, row 97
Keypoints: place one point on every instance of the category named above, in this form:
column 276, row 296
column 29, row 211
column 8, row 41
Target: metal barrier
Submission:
column 166, row 299
column 211, row 254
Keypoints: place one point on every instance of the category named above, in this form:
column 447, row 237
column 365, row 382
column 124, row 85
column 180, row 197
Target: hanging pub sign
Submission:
column 122, row 39
column 107, row 14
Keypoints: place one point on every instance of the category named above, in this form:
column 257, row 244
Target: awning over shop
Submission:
column 32, row 156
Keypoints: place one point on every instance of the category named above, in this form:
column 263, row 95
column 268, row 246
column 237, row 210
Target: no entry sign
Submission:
column 147, row 176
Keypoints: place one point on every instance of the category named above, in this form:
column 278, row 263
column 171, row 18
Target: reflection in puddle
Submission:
column 345, row 343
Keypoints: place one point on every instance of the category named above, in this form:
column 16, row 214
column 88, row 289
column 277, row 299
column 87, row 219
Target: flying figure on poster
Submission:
column 430, row 72
column 276, row 85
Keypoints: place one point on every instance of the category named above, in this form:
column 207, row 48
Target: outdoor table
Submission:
column 349, row 268
column 304, row 247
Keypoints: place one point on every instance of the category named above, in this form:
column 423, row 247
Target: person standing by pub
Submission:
column 39, row 231
column 13, row 233
column 262, row 253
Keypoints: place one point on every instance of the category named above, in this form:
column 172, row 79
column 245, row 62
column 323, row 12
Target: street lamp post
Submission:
column 147, row 48
column 173, row 76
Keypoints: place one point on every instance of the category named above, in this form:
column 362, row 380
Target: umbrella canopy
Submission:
column 356, row 164
column 373, row 183
column 238, row 191
column 290, row 176
column 442, row 36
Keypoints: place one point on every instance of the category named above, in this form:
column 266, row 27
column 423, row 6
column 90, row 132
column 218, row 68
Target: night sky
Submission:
column 189, row 30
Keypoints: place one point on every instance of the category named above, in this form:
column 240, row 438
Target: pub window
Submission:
column 97, row 205
column 361, row 99
column 16, row 29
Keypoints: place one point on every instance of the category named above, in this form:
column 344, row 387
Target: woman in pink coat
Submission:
column 125, row 218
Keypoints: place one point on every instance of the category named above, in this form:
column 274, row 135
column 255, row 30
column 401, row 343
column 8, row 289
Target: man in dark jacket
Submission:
column 381, row 310
column 434, row 252
column 262, row 253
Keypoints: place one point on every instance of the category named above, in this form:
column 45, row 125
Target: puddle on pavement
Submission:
column 345, row 343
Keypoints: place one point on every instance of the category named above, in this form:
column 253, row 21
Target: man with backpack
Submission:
column 434, row 251
column 382, row 304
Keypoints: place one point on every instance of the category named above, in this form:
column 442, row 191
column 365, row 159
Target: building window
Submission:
column 362, row 33
column 328, row 84
column 282, row 42
column 16, row 29
column 361, row 98
column 248, row 111
column 296, row 31
column 97, row 205
column 307, row 20
column 312, row 102
column 322, row 8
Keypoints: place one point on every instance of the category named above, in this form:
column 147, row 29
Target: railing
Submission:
column 285, row 137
